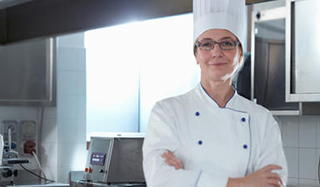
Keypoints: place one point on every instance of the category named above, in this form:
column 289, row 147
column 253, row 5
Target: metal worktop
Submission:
column 43, row 185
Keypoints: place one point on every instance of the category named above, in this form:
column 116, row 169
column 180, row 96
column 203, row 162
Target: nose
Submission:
column 216, row 51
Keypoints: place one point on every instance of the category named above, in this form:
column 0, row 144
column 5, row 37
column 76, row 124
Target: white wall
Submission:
column 64, row 128
column 301, row 141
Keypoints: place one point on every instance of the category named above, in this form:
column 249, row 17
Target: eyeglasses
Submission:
column 225, row 44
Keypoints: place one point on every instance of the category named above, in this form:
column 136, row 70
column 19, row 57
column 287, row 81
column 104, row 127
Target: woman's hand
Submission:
column 263, row 177
column 171, row 160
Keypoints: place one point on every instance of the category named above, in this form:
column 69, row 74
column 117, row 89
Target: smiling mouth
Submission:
column 217, row 64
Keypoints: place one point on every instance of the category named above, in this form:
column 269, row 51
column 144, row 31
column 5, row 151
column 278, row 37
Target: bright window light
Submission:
column 131, row 66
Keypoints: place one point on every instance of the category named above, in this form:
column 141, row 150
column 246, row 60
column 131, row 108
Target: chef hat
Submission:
column 219, row 14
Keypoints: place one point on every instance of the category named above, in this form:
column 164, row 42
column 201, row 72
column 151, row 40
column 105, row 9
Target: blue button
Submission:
column 197, row 113
column 245, row 146
column 200, row 142
column 243, row 119
column 13, row 146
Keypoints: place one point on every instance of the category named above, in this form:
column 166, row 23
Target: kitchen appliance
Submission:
column 8, row 158
column 115, row 160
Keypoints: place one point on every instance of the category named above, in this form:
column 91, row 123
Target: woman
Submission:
column 211, row 136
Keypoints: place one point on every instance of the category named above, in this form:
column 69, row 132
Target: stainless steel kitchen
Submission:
column 80, row 78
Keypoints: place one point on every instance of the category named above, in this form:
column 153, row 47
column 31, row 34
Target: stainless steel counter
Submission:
column 43, row 185
column 90, row 184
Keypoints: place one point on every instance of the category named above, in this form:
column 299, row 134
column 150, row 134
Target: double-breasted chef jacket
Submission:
column 213, row 143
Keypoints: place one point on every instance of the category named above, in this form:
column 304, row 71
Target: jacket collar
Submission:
column 208, row 99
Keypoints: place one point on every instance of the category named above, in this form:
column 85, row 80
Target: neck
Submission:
column 220, row 91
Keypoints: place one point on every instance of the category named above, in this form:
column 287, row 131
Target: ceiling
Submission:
column 9, row 3
column 27, row 19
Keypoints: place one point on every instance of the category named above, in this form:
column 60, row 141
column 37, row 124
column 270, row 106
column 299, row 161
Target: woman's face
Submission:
column 217, row 64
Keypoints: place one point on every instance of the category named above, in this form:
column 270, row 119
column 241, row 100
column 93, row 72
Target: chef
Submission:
column 211, row 136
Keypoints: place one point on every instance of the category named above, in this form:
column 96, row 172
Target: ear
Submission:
column 196, row 57
column 241, row 55
column 241, row 58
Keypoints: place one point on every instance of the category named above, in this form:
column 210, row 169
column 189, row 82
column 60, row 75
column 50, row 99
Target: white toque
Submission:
column 219, row 14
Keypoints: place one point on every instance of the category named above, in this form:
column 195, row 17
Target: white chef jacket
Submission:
column 213, row 143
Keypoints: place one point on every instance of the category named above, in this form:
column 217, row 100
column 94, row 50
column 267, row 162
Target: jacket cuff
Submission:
column 208, row 180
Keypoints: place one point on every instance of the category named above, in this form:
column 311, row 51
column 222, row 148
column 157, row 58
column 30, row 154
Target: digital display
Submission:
column 98, row 159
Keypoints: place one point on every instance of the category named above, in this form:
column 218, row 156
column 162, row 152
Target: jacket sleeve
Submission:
column 272, row 149
column 162, row 136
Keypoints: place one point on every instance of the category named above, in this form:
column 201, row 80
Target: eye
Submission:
column 227, row 43
column 206, row 44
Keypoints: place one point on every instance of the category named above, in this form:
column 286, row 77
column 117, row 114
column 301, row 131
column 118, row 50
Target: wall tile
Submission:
column 72, row 155
column 82, row 110
column 49, row 155
column 50, row 113
column 80, row 158
column 28, row 113
column 81, row 131
column 67, row 82
column 82, row 60
column 63, row 174
column 68, row 131
column 292, row 156
column 67, row 58
column 51, row 172
column 293, row 181
column 290, row 131
column 308, row 167
column 308, row 133
column 67, row 107
column 49, row 131
column 8, row 113
column 308, row 182
column 65, row 154
column 317, row 121
column 82, row 89
column 71, row 40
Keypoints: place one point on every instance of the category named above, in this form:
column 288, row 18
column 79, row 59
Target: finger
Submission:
column 170, row 162
column 274, row 176
column 166, row 154
column 274, row 182
column 171, row 156
column 175, row 163
column 170, row 159
column 271, row 167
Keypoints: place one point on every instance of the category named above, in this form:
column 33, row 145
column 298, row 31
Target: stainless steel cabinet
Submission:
column 268, row 59
column 27, row 73
column 285, row 56
column 302, row 51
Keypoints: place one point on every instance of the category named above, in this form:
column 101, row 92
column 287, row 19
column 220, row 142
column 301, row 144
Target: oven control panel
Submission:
column 98, row 159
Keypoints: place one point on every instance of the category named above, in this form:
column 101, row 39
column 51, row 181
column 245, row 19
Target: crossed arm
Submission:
column 263, row 177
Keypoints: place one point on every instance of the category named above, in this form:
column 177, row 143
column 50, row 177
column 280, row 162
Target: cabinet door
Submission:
column 269, row 64
column 270, row 75
column 306, row 43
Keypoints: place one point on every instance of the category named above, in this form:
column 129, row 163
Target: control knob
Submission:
column 7, row 173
